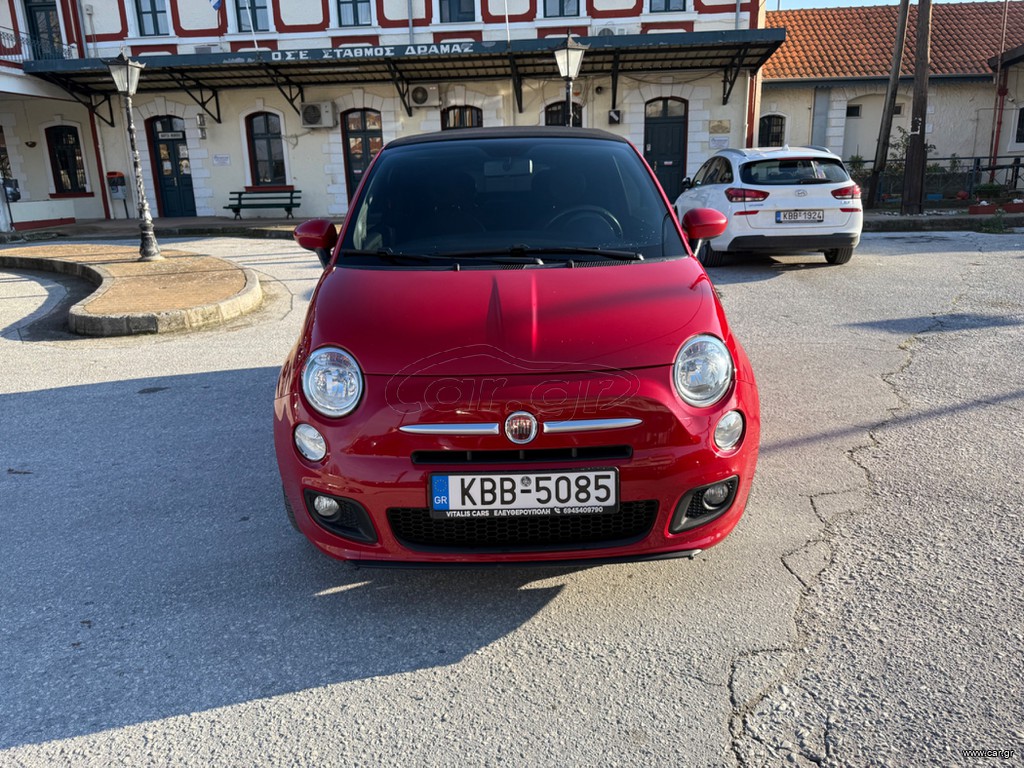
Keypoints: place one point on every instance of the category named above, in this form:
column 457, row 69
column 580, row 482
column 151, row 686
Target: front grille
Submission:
column 595, row 453
column 416, row 529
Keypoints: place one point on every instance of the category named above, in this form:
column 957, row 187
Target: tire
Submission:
column 709, row 257
column 839, row 255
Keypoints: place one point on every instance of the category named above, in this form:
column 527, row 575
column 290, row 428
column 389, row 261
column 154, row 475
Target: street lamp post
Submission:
column 569, row 58
column 125, row 74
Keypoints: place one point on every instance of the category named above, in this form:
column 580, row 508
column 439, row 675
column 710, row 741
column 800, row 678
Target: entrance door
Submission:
column 173, row 171
column 44, row 29
column 665, row 142
column 364, row 138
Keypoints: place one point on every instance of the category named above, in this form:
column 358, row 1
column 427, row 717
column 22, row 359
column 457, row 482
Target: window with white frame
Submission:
column 152, row 16
column 457, row 10
column 560, row 8
column 667, row 6
column 354, row 13
column 253, row 14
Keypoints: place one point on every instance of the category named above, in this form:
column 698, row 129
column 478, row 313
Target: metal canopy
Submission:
column 203, row 76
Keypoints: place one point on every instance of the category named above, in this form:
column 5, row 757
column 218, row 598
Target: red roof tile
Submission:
column 831, row 43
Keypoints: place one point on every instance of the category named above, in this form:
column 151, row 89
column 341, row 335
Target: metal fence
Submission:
column 949, row 180
column 16, row 47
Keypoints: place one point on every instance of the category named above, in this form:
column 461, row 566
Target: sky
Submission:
column 786, row 5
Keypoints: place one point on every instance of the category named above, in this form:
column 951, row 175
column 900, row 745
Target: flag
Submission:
column 216, row 4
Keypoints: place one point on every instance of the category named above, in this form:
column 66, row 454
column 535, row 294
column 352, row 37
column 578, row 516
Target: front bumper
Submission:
column 386, row 472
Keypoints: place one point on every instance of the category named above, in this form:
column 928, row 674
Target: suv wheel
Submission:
column 839, row 255
column 709, row 257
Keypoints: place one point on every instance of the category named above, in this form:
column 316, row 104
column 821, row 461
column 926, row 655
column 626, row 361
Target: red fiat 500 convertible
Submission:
column 512, row 355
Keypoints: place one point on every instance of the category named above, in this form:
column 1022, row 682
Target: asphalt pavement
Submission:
column 159, row 610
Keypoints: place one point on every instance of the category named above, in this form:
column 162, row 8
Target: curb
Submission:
column 82, row 322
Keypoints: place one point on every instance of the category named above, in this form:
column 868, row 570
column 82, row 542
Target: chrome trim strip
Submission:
column 587, row 425
column 450, row 429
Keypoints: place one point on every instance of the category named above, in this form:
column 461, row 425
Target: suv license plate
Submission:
column 797, row 217
column 534, row 494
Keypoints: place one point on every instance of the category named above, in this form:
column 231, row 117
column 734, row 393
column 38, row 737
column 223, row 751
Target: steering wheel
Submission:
column 586, row 211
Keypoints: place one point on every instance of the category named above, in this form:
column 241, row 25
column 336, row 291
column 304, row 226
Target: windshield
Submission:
column 794, row 170
column 541, row 197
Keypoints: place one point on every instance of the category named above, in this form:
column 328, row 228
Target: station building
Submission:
column 279, row 95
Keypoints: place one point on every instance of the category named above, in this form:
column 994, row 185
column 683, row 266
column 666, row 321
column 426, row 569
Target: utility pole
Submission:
column 913, row 178
column 882, row 147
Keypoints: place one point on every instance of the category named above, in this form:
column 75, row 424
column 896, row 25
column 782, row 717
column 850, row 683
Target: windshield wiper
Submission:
column 520, row 254
column 392, row 256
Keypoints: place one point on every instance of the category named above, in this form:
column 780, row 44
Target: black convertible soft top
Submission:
column 508, row 132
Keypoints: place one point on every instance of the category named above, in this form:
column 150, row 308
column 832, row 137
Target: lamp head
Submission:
column 125, row 74
column 569, row 58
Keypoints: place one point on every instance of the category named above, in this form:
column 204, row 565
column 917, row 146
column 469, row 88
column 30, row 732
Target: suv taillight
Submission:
column 738, row 195
column 847, row 193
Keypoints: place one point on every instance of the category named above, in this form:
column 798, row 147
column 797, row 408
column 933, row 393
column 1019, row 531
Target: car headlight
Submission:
column 332, row 382
column 703, row 371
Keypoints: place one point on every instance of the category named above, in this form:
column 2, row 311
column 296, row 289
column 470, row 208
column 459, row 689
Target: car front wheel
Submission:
column 709, row 257
column 839, row 255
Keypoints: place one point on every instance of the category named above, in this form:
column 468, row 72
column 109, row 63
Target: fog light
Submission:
column 310, row 443
column 729, row 430
column 326, row 507
column 716, row 495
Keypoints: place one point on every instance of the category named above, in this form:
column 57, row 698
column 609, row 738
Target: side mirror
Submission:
column 703, row 224
column 685, row 184
column 319, row 236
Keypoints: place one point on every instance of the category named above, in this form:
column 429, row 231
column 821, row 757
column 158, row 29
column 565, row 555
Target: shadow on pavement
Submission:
column 50, row 321
column 147, row 568
column 739, row 269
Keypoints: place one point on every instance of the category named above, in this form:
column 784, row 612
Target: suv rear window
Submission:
column 794, row 170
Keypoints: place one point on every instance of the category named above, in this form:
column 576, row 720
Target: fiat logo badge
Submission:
column 521, row 427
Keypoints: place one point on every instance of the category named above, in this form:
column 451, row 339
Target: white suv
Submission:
column 777, row 200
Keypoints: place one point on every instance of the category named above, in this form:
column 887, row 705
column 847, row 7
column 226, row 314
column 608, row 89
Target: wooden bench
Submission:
column 269, row 198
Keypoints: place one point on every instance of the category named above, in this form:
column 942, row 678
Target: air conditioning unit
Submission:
column 318, row 114
column 609, row 31
column 425, row 96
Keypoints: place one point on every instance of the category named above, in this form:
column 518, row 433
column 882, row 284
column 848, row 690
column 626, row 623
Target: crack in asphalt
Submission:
column 741, row 730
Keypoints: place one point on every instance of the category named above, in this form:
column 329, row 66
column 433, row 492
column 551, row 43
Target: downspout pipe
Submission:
column 997, row 118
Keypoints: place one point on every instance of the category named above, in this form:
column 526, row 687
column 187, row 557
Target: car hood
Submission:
column 484, row 322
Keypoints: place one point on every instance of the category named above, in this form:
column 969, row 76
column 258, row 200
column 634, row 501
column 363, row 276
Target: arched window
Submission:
column 362, row 130
column 266, row 150
column 461, row 117
column 771, row 131
column 66, row 159
column 554, row 114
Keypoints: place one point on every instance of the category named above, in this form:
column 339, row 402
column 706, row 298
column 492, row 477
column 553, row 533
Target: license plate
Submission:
column 790, row 217
column 535, row 494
